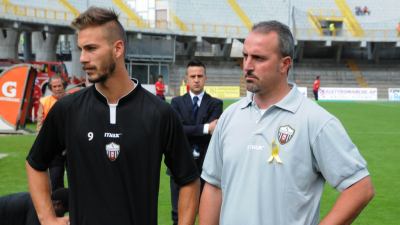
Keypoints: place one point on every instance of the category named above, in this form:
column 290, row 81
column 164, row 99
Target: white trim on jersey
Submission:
column 113, row 113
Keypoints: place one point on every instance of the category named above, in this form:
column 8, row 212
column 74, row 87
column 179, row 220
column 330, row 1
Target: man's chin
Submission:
column 252, row 88
column 95, row 79
column 92, row 80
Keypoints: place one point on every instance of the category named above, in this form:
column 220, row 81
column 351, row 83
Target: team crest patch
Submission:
column 112, row 150
column 285, row 133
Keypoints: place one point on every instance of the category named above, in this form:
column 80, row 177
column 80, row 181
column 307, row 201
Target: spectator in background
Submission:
column 362, row 11
column 398, row 29
column 366, row 11
column 57, row 87
column 160, row 87
column 332, row 29
column 358, row 11
column 271, row 154
column 316, row 85
column 17, row 209
column 199, row 113
column 57, row 167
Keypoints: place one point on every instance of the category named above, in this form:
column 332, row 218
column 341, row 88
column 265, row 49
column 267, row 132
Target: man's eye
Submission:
column 90, row 48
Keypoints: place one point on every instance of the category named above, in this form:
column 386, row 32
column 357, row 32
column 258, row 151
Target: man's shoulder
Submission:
column 211, row 98
column 179, row 98
column 316, row 113
column 216, row 100
column 152, row 101
column 75, row 97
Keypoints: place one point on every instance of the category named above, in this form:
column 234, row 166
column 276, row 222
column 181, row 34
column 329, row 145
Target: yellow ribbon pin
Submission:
column 274, row 153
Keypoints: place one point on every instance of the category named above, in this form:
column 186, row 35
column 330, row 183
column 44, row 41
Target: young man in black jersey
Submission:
column 116, row 134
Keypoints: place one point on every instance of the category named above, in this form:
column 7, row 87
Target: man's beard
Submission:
column 104, row 74
column 251, row 86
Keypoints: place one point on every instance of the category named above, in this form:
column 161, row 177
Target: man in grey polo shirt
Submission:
column 271, row 154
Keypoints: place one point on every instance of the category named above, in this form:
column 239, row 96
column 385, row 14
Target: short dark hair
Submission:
column 286, row 40
column 96, row 16
column 196, row 62
column 160, row 76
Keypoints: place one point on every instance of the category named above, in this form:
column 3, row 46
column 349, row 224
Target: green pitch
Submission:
column 373, row 126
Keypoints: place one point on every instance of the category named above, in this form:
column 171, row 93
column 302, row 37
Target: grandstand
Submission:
column 364, row 50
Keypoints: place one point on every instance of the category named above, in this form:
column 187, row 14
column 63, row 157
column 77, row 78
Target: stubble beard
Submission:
column 104, row 74
column 253, row 88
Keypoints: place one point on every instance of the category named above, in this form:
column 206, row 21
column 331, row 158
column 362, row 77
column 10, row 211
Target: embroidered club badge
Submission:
column 285, row 133
column 112, row 151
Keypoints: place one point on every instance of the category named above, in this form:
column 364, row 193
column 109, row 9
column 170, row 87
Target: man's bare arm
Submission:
column 188, row 203
column 39, row 188
column 210, row 205
column 350, row 203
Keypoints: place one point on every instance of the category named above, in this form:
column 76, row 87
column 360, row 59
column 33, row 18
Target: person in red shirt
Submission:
column 160, row 87
column 316, row 85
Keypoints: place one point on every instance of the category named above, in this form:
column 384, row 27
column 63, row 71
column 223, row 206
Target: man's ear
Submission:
column 119, row 48
column 286, row 63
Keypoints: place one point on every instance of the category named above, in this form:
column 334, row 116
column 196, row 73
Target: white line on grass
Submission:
column 3, row 155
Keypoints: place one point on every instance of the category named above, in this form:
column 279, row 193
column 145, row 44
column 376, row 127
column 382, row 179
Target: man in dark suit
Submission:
column 199, row 113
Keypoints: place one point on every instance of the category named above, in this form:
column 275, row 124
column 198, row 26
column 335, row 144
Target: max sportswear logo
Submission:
column 9, row 89
column 112, row 135
column 255, row 147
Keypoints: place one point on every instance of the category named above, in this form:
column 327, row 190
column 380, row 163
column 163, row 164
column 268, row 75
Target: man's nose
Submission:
column 248, row 64
column 247, row 68
column 83, row 58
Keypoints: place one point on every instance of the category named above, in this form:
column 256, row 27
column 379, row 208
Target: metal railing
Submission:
column 192, row 28
column 370, row 34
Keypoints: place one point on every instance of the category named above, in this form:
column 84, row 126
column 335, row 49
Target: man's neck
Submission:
column 116, row 87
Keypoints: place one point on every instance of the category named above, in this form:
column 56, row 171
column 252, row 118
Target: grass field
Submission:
column 373, row 126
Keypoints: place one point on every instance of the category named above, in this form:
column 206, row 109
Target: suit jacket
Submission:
column 209, row 110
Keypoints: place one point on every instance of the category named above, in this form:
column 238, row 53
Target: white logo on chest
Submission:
column 112, row 135
column 255, row 147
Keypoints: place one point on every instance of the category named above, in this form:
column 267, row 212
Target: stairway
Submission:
column 357, row 73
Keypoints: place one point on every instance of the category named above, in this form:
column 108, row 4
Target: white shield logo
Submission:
column 285, row 133
column 112, row 150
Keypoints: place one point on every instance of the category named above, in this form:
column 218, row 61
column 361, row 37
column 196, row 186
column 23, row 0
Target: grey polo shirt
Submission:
column 312, row 145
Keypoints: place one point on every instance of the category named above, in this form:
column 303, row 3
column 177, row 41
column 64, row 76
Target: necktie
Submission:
column 195, row 107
